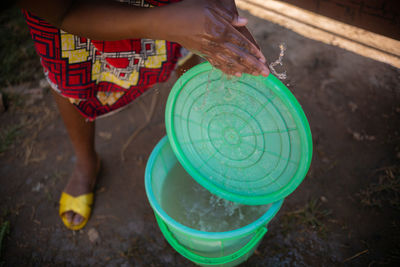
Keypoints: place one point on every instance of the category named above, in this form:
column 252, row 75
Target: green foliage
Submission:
column 385, row 191
column 312, row 215
column 8, row 136
column 4, row 231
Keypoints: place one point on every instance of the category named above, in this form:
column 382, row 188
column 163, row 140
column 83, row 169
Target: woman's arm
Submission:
column 206, row 27
column 105, row 20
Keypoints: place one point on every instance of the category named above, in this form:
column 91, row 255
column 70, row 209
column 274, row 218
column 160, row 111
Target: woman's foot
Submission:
column 83, row 178
column 82, row 181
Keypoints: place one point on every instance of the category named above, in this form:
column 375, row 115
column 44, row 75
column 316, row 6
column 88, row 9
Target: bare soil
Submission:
column 345, row 213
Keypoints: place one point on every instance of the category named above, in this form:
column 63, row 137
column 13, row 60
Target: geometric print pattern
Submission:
column 101, row 76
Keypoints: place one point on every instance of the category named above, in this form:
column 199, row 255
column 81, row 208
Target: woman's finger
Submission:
column 234, row 36
column 229, row 6
column 235, row 67
column 222, row 26
column 227, row 64
column 222, row 65
column 232, row 61
column 240, row 21
column 243, row 43
column 248, row 35
column 248, row 63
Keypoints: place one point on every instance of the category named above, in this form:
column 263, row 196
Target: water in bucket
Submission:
column 191, row 205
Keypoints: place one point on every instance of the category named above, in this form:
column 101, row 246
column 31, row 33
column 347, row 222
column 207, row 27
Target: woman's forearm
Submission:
column 110, row 20
column 100, row 20
column 206, row 27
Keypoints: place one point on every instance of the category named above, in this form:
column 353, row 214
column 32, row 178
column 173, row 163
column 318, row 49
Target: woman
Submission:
column 100, row 55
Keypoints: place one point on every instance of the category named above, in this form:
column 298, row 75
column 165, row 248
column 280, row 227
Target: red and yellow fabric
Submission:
column 102, row 76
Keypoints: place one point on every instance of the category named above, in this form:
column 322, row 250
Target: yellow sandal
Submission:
column 80, row 205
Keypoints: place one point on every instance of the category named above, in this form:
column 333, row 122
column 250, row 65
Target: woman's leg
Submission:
column 81, row 134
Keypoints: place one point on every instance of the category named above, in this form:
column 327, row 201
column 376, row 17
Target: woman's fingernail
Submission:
column 265, row 73
column 238, row 74
column 262, row 59
column 241, row 20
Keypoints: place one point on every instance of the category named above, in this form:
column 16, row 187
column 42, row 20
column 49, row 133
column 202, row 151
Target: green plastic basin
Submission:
column 246, row 140
column 204, row 248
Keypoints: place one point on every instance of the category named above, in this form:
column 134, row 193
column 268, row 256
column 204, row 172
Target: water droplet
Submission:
column 282, row 75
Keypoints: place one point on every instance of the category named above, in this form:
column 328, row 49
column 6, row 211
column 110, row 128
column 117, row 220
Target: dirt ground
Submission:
column 345, row 213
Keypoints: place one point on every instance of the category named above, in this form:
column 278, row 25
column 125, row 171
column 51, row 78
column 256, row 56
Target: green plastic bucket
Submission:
column 203, row 248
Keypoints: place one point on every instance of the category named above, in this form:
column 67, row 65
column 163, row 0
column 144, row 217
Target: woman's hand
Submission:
column 213, row 29
column 241, row 27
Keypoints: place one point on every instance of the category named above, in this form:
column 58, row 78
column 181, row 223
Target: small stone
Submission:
column 44, row 83
column 324, row 199
column 34, row 95
column 353, row 106
column 37, row 187
column 357, row 136
column 369, row 137
column 139, row 159
column 94, row 236
column 105, row 135
column 325, row 160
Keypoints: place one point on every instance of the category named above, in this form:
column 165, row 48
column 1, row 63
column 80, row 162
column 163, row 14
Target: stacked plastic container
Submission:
column 244, row 139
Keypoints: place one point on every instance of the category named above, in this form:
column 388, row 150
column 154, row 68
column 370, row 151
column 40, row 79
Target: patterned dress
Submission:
column 102, row 76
